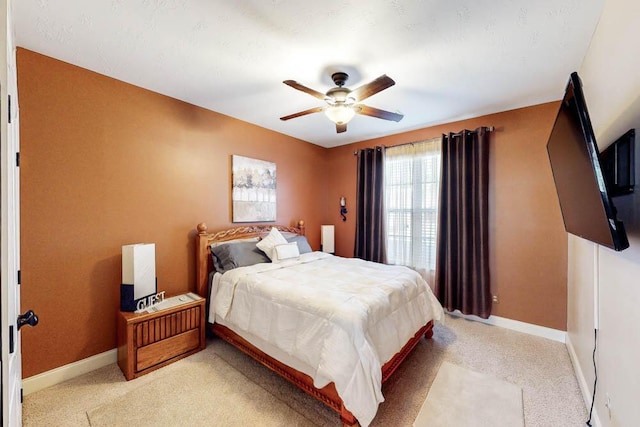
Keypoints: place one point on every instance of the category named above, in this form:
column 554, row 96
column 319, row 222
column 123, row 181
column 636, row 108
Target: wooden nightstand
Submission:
column 148, row 341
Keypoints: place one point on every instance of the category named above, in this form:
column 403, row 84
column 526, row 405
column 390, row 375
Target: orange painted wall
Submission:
column 104, row 164
column 528, row 244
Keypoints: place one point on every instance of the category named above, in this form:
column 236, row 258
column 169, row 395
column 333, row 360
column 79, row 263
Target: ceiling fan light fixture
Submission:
column 340, row 114
column 342, row 103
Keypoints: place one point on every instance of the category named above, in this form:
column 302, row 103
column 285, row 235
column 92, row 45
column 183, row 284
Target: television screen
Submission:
column 587, row 209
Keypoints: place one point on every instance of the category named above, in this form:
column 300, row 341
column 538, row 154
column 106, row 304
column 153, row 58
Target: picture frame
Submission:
column 253, row 193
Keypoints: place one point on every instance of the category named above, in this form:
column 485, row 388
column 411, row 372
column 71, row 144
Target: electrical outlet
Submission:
column 495, row 299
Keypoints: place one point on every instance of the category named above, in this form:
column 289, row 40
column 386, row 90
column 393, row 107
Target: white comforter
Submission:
column 344, row 317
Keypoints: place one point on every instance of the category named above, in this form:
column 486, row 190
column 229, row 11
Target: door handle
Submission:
column 28, row 318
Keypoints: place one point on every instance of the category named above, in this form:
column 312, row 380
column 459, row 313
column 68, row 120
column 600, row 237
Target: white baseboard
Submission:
column 582, row 382
column 66, row 372
column 516, row 325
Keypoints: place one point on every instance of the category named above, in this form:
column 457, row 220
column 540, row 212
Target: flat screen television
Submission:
column 587, row 209
column 618, row 165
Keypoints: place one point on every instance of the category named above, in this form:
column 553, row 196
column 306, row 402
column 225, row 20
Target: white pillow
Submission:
column 286, row 251
column 268, row 244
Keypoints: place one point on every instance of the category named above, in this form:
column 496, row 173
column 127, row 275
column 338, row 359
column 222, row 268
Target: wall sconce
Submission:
column 343, row 208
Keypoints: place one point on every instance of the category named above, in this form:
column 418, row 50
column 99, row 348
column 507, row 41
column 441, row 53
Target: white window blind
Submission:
column 412, row 188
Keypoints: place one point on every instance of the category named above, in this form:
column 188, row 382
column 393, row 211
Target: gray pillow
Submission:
column 303, row 243
column 233, row 255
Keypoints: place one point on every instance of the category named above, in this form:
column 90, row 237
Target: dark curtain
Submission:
column 462, row 265
column 370, row 230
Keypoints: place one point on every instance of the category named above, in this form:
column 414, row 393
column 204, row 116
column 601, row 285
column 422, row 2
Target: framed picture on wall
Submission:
column 253, row 193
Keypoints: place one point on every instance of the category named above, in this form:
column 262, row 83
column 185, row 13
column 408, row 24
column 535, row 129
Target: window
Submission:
column 412, row 188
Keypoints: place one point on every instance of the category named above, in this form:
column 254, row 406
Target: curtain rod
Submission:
column 487, row 128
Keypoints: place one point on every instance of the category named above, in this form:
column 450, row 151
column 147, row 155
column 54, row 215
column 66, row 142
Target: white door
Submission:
column 10, row 228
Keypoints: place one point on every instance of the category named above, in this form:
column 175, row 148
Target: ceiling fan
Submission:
column 343, row 103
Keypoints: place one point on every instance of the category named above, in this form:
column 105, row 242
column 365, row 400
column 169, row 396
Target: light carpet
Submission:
column 206, row 393
column 541, row 367
column 461, row 397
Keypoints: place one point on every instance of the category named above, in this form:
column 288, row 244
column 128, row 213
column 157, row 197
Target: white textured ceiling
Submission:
column 451, row 59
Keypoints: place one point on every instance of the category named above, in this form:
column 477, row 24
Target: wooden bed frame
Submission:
column 328, row 394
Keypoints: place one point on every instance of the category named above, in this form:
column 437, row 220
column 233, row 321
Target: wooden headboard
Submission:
column 204, row 239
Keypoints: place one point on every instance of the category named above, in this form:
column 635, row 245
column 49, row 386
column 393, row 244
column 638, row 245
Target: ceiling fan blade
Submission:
column 341, row 128
column 363, row 92
column 303, row 113
column 375, row 112
column 294, row 84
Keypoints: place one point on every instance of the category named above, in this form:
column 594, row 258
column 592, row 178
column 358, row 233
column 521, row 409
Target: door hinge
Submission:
column 21, row 395
column 19, row 277
column 9, row 108
column 18, row 159
column 11, row 339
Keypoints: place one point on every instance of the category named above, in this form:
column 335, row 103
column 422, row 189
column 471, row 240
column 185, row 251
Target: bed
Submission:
column 236, row 294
